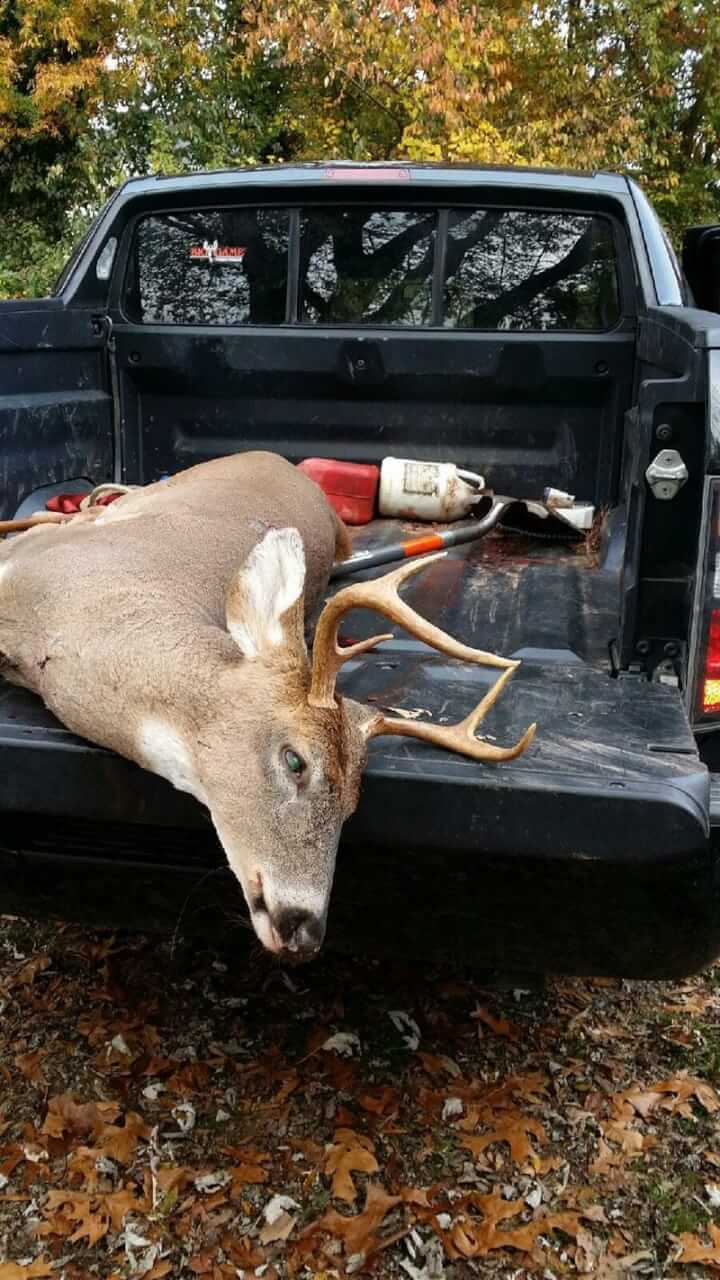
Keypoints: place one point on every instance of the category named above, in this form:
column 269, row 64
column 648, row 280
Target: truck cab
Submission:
column 531, row 326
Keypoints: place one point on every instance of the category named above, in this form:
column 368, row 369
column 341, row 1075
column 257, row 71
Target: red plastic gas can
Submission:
column 351, row 487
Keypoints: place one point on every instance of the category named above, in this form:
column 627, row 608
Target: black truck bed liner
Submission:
column 503, row 865
column 513, row 592
column 621, row 748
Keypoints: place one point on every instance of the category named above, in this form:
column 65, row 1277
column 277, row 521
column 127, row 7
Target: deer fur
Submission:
column 170, row 627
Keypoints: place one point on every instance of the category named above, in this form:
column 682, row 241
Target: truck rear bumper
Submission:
column 592, row 853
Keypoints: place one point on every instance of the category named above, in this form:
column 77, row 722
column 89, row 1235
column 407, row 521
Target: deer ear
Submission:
column 264, row 604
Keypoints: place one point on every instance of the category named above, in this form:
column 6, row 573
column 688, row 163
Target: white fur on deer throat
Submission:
column 164, row 752
column 4, row 572
column 273, row 579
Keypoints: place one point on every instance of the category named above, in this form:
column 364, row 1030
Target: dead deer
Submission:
column 169, row 627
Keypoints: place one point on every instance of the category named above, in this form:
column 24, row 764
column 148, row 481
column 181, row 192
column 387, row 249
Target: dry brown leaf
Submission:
column 674, row 1095
column 158, row 1271
column 474, row 1239
column 359, row 1232
column 469, row 1237
column 65, row 1115
column 439, row 1064
column 202, row 1263
column 694, row 1004
column 606, row 1160
column 28, row 972
column 28, row 1064
column 81, row 1215
column 694, row 1250
column 514, row 1129
column 119, row 1142
column 245, row 1175
column 15, row 1271
column 644, row 1101
column 280, row 1229
column 500, row 1026
column 350, row 1153
column 380, row 1102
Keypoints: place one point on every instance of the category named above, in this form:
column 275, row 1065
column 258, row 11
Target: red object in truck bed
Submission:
column 351, row 487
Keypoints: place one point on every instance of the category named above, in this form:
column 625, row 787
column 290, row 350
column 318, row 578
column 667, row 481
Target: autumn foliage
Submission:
column 91, row 92
column 168, row 1113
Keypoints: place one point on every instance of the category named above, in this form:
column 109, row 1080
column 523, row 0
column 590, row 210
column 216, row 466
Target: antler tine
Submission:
column 457, row 737
column 380, row 594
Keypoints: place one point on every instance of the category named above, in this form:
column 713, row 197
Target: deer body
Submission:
column 169, row 627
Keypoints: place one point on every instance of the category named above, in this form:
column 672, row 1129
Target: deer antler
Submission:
column 382, row 595
column 457, row 737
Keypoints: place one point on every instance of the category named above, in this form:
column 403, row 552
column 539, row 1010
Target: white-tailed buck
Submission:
column 169, row 627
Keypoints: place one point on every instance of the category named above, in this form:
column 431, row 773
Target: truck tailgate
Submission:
column 613, row 771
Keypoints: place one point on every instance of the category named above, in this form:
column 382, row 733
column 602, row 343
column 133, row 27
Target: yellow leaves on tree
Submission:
column 350, row 1153
column 51, row 61
column 446, row 81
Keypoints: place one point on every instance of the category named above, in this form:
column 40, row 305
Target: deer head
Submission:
column 297, row 767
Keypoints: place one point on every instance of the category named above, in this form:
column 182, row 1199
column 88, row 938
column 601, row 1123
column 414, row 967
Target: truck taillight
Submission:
column 706, row 624
column 711, row 676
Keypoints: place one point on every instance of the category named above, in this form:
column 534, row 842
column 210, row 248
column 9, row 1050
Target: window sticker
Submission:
column 214, row 252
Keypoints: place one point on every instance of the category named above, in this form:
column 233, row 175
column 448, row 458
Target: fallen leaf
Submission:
column 407, row 1027
column 279, row 1229
column 474, row 1239
column 514, row 1129
column 28, row 972
column 247, row 1174
column 500, row 1026
column 88, row 1215
column 439, row 1064
column 681, row 1089
column 694, row 1250
column 358, row 1232
column 380, row 1102
column 28, row 1064
column 119, row 1142
column 346, row 1043
column 158, row 1271
column 65, row 1115
column 350, row 1153
column 17, row 1271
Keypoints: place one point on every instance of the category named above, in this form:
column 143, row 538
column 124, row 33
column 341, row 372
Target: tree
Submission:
column 52, row 63
column 92, row 91
column 620, row 84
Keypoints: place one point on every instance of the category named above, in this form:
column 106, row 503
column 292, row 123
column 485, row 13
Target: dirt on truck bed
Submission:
column 168, row 1111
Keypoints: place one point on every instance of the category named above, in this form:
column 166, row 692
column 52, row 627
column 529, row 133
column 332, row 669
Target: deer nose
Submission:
column 299, row 931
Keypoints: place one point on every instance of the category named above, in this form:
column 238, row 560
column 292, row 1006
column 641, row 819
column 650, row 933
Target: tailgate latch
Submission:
column 666, row 474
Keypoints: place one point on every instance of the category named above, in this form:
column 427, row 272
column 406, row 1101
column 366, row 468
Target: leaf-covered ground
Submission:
column 176, row 1112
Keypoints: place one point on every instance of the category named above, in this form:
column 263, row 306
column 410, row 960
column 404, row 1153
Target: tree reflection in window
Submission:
column 517, row 269
column 169, row 285
column 360, row 266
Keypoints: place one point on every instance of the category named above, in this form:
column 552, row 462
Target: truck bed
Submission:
column 542, row 594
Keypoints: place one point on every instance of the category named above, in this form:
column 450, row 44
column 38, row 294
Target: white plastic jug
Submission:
column 427, row 490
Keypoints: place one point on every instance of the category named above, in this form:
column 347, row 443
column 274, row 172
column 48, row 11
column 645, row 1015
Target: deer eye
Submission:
column 294, row 762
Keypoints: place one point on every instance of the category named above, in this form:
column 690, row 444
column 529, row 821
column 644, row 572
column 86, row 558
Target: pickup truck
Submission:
column 531, row 326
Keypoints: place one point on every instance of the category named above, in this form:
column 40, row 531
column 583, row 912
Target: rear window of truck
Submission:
column 210, row 266
column 466, row 268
